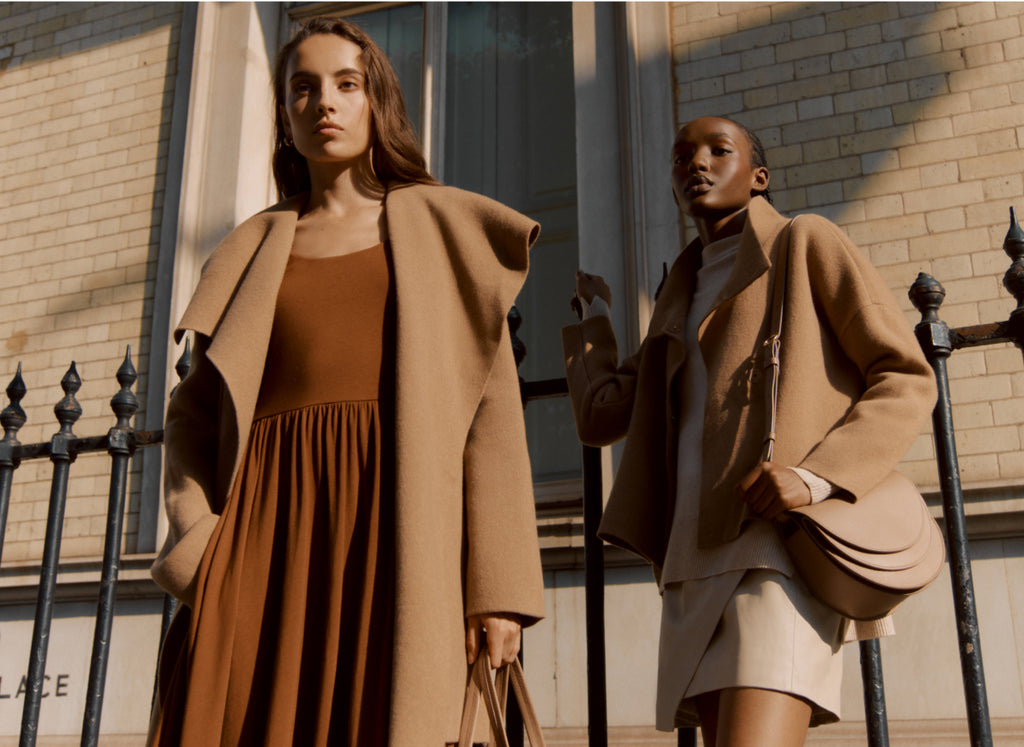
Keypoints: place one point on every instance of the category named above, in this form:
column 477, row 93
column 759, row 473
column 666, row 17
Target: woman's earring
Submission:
column 288, row 141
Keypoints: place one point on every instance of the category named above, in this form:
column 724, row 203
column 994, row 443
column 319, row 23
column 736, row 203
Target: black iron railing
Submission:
column 938, row 342
column 121, row 442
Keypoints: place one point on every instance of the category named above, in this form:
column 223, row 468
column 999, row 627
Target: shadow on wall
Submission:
column 89, row 184
column 84, row 178
column 900, row 122
column 92, row 157
column 867, row 111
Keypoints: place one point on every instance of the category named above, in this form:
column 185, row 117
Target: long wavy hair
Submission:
column 395, row 156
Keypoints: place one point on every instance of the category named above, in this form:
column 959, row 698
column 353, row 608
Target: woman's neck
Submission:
column 341, row 188
column 344, row 213
column 717, row 227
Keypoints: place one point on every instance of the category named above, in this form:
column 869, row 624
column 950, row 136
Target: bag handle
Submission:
column 494, row 692
column 774, row 343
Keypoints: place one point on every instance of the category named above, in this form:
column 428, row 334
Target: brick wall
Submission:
column 85, row 104
column 903, row 123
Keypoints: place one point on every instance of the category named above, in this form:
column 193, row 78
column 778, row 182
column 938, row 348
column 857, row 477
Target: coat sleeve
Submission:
column 190, row 447
column 600, row 389
column 898, row 383
column 503, row 570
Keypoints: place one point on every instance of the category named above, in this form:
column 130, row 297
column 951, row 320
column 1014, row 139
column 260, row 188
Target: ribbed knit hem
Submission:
column 758, row 546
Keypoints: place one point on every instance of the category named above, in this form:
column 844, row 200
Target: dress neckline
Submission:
column 378, row 245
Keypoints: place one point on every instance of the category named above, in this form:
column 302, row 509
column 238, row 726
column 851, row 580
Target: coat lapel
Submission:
column 458, row 262
column 235, row 300
column 677, row 294
column 453, row 287
column 761, row 230
column 753, row 258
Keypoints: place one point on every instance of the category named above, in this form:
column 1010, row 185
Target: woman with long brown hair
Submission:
column 347, row 485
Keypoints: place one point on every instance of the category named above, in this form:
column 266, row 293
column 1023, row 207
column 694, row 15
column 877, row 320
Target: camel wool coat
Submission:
column 855, row 387
column 465, row 533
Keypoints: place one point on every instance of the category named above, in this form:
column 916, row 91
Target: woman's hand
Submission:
column 770, row 489
column 587, row 287
column 503, row 636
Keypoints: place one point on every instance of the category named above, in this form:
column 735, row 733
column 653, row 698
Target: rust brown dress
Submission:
column 290, row 640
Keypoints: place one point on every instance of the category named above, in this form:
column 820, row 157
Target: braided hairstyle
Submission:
column 757, row 156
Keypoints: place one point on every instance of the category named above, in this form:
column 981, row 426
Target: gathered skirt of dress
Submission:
column 290, row 639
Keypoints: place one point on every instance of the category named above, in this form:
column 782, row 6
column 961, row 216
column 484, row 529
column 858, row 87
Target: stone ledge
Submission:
column 920, row 733
column 847, row 734
column 79, row 580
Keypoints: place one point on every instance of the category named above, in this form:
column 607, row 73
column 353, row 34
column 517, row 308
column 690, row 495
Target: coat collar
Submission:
column 436, row 234
column 227, row 294
column 234, row 302
column 760, row 233
column 754, row 256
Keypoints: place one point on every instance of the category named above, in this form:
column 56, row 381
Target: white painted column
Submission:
column 226, row 170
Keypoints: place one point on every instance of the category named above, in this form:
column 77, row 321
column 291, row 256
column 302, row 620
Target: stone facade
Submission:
column 902, row 123
column 85, row 102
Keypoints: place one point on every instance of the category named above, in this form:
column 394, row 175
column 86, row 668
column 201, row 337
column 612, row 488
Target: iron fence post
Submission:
column 62, row 455
column 593, row 551
column 593, row 554
column 513, row 716
column 934, row 337
column 874, row 693
column 12, row 418
column 170, row 606
column 124, row 404
column 181, row 367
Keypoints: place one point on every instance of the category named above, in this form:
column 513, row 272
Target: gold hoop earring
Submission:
column 288, row 142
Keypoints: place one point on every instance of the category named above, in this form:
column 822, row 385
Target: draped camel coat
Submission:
column 465, row 531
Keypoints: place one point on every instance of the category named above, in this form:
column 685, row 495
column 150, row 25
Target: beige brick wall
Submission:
column 85, row 104
column 902, row 122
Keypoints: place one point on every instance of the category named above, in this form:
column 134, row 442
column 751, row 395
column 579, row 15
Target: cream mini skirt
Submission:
column 747, row 628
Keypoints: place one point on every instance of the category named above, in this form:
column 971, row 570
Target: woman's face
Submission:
column 326, row 111
column 712, row 169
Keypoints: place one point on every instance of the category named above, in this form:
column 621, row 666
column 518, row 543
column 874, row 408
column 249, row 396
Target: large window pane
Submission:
column 510, row 134
column 399, row 32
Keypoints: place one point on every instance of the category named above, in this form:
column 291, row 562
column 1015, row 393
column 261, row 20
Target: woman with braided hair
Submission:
column 746, row 652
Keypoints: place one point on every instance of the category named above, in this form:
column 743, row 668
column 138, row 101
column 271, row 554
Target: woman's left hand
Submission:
column 503, row 636
column 769, row 489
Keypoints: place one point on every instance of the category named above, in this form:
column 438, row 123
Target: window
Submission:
column 505, row 119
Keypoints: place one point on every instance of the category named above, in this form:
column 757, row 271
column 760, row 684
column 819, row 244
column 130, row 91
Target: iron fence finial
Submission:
column 68, row 411
column 13, row 416
column 1013, row 280
column 927, row 295
column 125, row 404
column 515, row 320
column 185, row 361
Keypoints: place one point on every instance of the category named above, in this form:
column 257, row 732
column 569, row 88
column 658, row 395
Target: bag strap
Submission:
column 774, row 343
column 494, row 692
column 530, row 721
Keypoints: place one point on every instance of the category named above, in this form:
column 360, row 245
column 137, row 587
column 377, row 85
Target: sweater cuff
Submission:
column 820, row 487
column 597, row 307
